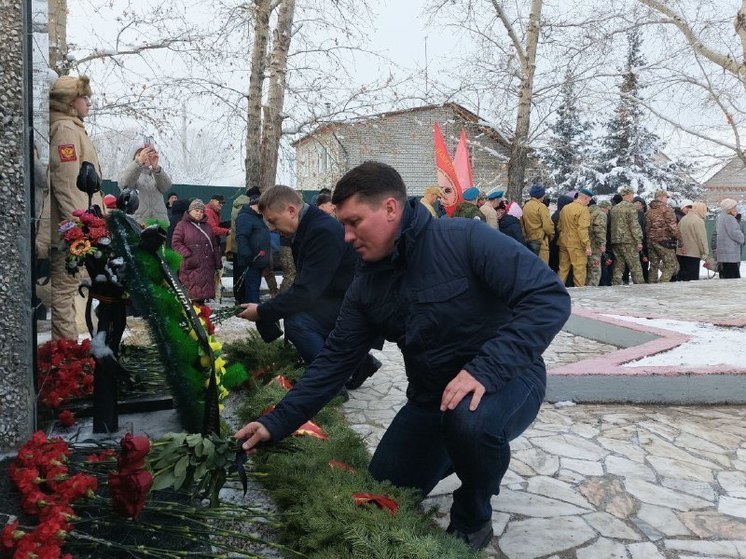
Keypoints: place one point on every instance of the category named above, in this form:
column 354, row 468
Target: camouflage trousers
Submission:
column 625, row 255
column 593, row 269
column 663, row 259
column 288, row 267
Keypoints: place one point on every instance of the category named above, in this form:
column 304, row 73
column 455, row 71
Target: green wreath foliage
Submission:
column 319, row 515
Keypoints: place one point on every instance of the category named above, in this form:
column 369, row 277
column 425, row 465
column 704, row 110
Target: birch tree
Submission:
column 716, row 65
column 526, row 53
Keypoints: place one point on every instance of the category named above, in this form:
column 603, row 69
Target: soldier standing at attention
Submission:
column 626, row 238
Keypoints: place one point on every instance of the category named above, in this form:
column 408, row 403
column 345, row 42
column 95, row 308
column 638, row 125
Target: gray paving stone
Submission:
column 537, row 537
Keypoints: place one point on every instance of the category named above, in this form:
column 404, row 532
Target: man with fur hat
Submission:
column 537, row 224
column 626, row 238
column 574, row 241
column 70, row 146
column 468, row 208
column 663, row 236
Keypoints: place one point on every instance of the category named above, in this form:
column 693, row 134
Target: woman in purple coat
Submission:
column 194, row 240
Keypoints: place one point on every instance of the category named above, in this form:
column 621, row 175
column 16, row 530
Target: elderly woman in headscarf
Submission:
column 144, row 173
column 693, row 246
column 69, row 147
column 194, row 240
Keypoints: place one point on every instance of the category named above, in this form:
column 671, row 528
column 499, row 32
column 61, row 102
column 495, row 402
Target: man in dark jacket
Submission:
column 472, row 312
column 325, row 266
column 252, row 251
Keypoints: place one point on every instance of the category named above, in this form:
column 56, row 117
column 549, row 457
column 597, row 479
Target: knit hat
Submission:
column 537, row 191
column 65, row 89
column 624, row 190
column 728, row 204
column 218, row 197
column 196, row 204
column 470, row 194
column 685, row 202
column 586, row 192
column 253, row 194
column 495, row 193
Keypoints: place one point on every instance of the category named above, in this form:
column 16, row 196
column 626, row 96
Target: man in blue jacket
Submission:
column 252, row 250
column 471, row 310
column 325, row 266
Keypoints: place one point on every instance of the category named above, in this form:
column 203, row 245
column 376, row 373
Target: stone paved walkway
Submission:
column 609, row 481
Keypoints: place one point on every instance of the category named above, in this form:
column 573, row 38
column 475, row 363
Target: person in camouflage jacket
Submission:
column 468, row 208
column 597, row 235
column 663, row 234
column 626, row 238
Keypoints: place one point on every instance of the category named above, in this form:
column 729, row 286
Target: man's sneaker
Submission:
column 475, row 540
column 367, row 367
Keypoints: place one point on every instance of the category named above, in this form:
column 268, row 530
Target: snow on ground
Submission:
column 709, row 344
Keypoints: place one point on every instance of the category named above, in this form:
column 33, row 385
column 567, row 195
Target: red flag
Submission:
column 447, row 181
column 461, row 163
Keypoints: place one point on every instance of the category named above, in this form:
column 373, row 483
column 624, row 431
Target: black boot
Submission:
column 367, row 367
column 475, row 540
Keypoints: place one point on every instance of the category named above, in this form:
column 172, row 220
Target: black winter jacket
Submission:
column 325, row 266
column 455, row 294
column 510, row 225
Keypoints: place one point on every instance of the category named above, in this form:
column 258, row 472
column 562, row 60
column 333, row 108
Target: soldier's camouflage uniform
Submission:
column 660, row 221
column 469, row 211
column 597, row 234
column 626, row 235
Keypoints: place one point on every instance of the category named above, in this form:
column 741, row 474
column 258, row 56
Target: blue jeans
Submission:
column 307, row 334
column 252, row 280
column 423, row 445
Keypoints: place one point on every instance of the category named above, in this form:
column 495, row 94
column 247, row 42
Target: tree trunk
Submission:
column 57, row 28
column 278, row 65
column 256, row 79
column 519, row 151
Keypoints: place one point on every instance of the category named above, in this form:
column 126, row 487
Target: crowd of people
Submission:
column 366, row 263
column 589, row 241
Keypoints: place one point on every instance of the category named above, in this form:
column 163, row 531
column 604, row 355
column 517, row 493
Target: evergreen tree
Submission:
column 630, row 153
column 567, row 156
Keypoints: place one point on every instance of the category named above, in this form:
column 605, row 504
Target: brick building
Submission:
column 403, row 139
column 728, row 182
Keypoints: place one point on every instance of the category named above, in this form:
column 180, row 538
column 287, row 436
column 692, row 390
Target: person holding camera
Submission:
column 145, row 174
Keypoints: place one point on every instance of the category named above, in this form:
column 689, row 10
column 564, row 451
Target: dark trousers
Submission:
column 252, row 281
column 688, row 268
column 307, row 334
column 730, row 270
column 423, row 445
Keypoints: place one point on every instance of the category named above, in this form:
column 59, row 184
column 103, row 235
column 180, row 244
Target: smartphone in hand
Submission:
column 149, row 141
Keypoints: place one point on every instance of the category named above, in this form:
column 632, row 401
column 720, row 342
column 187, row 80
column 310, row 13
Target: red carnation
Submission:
column 134, row 451
column 129, row 492
column 66, row 418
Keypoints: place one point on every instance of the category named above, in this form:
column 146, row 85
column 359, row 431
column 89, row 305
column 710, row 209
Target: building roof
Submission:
column 732, row 174
column 481, row 125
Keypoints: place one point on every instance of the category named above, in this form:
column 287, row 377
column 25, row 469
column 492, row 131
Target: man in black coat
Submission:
column 252, row 251
column 325, row 266
column 472, row 312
